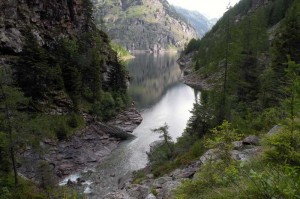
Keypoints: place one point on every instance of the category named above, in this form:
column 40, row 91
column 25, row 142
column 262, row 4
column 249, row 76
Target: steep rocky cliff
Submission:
column 144, row 24
column 51, row 21
column 197, row 20
column 47, row 19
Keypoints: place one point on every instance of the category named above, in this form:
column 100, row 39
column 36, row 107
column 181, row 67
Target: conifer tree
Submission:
column 11, row 119
column 34, row 74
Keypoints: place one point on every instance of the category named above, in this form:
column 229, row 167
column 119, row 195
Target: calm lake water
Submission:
column 161, row 98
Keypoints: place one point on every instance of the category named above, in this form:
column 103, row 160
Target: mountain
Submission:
column 197, row 20
column 151, row 25
column 47, row 36
column 60, row 80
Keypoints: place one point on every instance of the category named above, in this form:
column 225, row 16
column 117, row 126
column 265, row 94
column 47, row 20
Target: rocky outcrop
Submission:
column 47, row 19
column 151, row 25
column 85, row 149
column 195, row 80
column 163, row 187
column 127, row 120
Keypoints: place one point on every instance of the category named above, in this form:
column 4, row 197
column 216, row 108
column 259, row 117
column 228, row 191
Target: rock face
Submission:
column 45, row 17
column 151, row 25
column 127, row 120
column 201, row 24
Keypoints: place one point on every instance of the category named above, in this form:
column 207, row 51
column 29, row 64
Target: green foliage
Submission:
column 262, row 90
column 4, row 193
column 163, row 130
column 186, row 150
column 139, row 176
column 283, row 147
column 105, row 109
column 61, row 130
column 222, row 138
column 274, row 175
column 192, row 46
column 202, row 119
column 121, row 51
column 35, row 73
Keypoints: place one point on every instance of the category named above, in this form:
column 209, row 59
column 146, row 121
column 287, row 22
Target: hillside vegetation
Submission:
column 252, row 57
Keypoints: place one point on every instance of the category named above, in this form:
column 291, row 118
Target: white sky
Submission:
column 209, row 8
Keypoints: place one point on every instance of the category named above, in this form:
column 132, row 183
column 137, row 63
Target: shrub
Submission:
column 283, row 147
column 62, row 131
column 105, row 109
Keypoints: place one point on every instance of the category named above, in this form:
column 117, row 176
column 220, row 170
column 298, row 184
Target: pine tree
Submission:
column 34, row 74
column 11, row 119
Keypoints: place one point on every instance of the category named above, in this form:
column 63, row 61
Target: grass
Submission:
column 49, row 126
column 185, row 153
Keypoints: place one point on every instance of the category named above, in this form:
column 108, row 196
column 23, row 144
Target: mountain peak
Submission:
column 151, row 25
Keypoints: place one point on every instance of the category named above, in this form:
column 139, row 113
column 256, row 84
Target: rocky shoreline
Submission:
column 54, row 160
column 192, row 78
column 163, row 187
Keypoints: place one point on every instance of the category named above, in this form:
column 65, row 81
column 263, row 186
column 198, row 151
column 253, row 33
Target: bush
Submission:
column 283, row 147
column 74, row 120
column 105, row 109
column 62, row 131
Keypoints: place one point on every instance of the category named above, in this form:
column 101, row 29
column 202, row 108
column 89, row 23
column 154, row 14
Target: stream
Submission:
column 161, row 98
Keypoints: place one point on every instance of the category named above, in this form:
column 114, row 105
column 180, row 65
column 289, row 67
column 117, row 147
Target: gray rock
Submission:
column 117, row 195
column 274, row 130
column 246, row 154
column 237, row 145
column 210, row 155
column 11, row 40
column 138, row 191
column 127, row 120
column 155, row 31
column 168, row 188
column 251, row 140
column 158, row 183
column 151, row 196
column 126, row 179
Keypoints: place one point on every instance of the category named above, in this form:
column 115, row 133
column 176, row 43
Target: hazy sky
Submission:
column 210, row 8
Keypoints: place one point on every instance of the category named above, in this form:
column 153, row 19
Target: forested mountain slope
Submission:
column 247, row 53
column 58, row 76
column 143, row 24
column 248, row 71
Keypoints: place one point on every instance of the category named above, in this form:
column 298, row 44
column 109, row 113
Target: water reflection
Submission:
column 162, row 98
column 151, row 76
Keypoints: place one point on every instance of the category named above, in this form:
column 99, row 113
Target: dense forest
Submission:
column 252, row 57
column 47, row 88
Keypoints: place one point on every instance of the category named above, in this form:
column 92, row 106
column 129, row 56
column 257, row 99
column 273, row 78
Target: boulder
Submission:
column 151, row 196
column 251, row 140
column 237, row 145
column 274, row 130
column 246, row 154
column 117, row 195
column 168, row 188
column 158, row 183
column 210, row 155
column 139, row 191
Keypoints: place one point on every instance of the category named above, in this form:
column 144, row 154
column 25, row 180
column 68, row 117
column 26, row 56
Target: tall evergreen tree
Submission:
column 34, row 74
column 12, row 119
